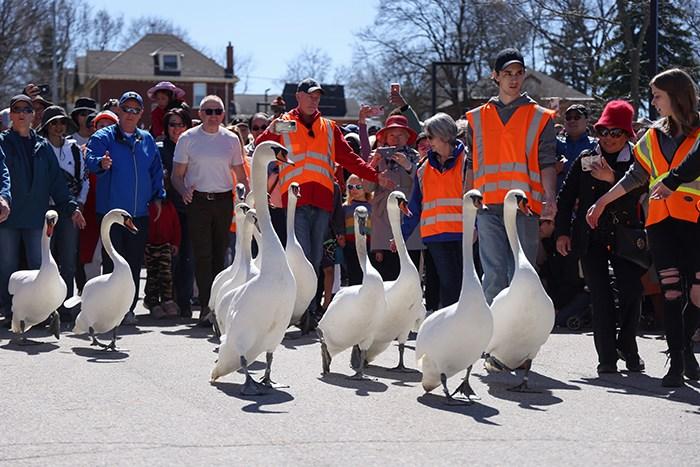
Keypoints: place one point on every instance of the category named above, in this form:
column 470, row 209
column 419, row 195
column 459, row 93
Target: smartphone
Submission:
column 285, row 126
column 395, row 88
column 387, row 152
column 44, row 89
column 588, row 161
column 376, row 110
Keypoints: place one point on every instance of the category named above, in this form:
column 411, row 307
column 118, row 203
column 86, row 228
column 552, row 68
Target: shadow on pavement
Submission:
column 399, row 378
column 540, row 385
column 478, row 411
column 274, row 397
column 362, row 387
column 96, row 355
column 640, row 384
column 193, row 332
column 36, row 348
column 294, row 339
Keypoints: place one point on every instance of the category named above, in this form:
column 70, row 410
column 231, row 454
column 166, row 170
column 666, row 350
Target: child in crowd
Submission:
column 163, row 244
column 355, row 196
column 167, row 96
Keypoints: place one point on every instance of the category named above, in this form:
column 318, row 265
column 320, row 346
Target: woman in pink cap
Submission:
column 167, row 96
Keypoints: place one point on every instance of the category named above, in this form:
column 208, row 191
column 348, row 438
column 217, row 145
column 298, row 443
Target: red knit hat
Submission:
column 617, row 114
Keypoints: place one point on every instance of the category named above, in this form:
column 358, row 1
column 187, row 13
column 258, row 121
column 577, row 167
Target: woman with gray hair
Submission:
column 436, row 202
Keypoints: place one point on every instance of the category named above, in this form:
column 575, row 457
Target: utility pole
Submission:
column 653, row 47
column 54, row 58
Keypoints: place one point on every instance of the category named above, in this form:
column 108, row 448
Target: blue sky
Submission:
column 270, row 31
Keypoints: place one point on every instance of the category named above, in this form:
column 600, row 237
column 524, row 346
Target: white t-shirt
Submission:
column 209, row 158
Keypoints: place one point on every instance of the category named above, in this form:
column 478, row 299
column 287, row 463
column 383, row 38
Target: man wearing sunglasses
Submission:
column 35, row 177
column 130, row 177
column 576, row 140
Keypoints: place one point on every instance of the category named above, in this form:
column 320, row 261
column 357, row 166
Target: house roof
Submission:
column 536, row 84
column 136, row 62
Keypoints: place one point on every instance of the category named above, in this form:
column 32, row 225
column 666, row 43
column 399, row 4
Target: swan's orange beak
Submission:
column 129, row 224
column 281, row 155
column 403, row 206
column 522, row 206
column 49, row 228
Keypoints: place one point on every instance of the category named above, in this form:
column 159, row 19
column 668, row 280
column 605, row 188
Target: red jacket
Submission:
column 167, row 228
column 316, row 194
column 157, row 115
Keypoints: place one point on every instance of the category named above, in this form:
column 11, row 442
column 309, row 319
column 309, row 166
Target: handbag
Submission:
column 631, row 244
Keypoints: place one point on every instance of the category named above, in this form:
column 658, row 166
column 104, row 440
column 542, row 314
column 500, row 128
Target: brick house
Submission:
column 155, row 57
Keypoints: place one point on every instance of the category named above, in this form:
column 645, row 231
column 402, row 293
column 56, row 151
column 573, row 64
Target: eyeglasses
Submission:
column 213, row 111
column 355, row 187
column 612, row 132
column 258, row 128
column 176, row 125
column 131, row 110
column 22, row 110
column 576, row 116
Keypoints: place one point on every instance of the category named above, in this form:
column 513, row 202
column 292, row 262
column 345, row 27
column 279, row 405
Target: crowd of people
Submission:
column 616, row 199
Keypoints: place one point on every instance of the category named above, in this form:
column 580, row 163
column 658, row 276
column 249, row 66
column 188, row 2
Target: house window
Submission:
column 199, row 91
column 167, row 63
column 171, row 62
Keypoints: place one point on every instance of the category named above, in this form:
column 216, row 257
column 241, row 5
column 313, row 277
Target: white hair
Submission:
column 211, row 97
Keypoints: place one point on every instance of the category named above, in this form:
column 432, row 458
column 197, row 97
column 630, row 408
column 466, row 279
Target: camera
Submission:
column 44, row 89
column 588, row 161
column 285, row 126
column 387, row 152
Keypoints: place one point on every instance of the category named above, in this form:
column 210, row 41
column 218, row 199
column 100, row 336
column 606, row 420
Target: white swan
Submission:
column 454, row 337
column 246, row 269
column 39, row 292
column 303, row 271
column 354, row 311
column 523, row 313
column 263, row 306
column 404, row 296
column 106, row 298
column 228, row 272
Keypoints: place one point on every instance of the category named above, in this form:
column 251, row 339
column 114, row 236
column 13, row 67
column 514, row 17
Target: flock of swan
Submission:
column 255, row 300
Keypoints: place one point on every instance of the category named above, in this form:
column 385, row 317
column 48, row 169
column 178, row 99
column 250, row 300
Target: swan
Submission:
column 303, row 271
column 39, row 292
column 106, row 298
column 454, row 337
column 523, row 313
column 404, row 296
column 263, row 305
column 228, row 272
column 354, row 311
column 246, row 270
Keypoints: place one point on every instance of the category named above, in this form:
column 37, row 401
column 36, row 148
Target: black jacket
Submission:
column 582, row 187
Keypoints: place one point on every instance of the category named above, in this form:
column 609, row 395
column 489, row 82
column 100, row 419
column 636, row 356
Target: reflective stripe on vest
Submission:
column 496, row 171
column 683, row 203
column 313, row 156
column 442, row 198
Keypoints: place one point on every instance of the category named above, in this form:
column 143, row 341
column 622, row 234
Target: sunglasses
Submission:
column 355, row 187
column 258, row 128
column 23, row 110
column 131, row 110
column 612, row 132
column 576, row 116
column 176, row 125
column 213, row 111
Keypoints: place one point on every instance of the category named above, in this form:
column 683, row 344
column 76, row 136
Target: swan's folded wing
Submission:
column 20, row 277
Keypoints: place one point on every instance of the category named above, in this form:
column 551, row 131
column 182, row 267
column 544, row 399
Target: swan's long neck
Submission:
column 291, row 214
column 395, row 223
column 246, row 242
column 469, row 276
column 105, row 228
column 361, row 248
column 46, row 258
column 271, row 246
column 510, row 212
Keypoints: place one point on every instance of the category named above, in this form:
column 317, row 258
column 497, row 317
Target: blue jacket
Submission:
column 415, row 205
column 5, row 191
column 136, row 175
column 35, row 177
column 571, row 149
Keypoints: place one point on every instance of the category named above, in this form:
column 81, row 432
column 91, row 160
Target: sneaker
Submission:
column 157, row 312
column 129, row 319
column 171, row 309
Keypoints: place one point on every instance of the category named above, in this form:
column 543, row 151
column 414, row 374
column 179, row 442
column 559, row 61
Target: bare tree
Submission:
column 311, row 62
column 143, row 25
column 103, row 27
column 18, row 20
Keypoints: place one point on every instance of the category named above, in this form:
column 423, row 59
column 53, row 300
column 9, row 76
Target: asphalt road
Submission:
column 66, row 403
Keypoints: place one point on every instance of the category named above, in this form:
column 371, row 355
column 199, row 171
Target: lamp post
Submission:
column 653, row 47
column 433, row 73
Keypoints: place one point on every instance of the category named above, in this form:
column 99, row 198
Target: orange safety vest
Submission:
column 442, row 198
column 684, row 203
column 246, row 168
column 507, row 156
column 313, row 157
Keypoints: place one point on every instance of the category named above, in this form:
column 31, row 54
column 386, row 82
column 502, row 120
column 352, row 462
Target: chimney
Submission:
column 228, row 72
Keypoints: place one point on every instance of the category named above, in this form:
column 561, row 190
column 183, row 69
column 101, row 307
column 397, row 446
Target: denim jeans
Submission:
column 64, row 248
column 131, row 246
column 494, row 249
column 447, row 258
column 310, row 227
column 10, row 241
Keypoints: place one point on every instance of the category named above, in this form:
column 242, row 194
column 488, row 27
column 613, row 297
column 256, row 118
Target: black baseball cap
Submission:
column 20, row 98
column 580, row 108
column 309, row 85
column 507, row 57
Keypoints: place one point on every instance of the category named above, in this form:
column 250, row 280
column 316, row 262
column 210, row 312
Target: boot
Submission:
column 691, row 369
column 674, row 377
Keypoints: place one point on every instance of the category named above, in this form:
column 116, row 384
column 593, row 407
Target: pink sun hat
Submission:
column 166, row 86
